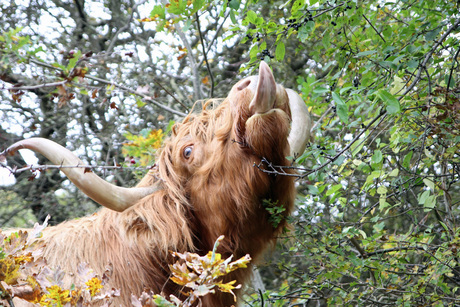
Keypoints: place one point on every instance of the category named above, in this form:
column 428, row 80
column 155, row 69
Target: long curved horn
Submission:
column 300, row 126
column 99, row 190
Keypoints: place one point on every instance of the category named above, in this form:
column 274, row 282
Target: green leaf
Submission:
column 365, row 53
column 232, row 17
column 383, row 204
column 73, row 61
column 406, row 160
column 397, row 85
column 392, row 104
column 430, row 203
column 298, row 4
column 341, row 107
column 320, row 90
column 177, row 7
column 356, row 147
column 234, row 4
column 431, row 35
column 333, row 189
column 280, row 51
column 251, row 17
column 429, row 183
column 326, row 41
column 253, row 51
column 423, row 197
column 305, row 30
column 197, row 5
column 379, row 227
column 377, row 156
column 382, row 190
column 394, row 173
column 159, row 11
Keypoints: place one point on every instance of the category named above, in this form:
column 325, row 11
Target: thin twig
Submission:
column 146, row 97
column 34, row 87
column 383, row 113
column 126, row 26
column 193, row 64
column 321, row 118
column 451, row 71
column 277, row 169
column 205, row 57
column 428, row 56
column 394, row 249
column 166, row 108
column 368, row 21
column 215, row 36
column 34, row 168
column 170, row 94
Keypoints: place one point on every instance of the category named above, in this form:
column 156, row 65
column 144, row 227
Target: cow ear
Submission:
column 301, row 124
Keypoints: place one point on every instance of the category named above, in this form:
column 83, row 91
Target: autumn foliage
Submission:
column 25, row 276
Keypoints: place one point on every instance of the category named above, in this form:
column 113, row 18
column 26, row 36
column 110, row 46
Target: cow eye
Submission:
column 188, row 151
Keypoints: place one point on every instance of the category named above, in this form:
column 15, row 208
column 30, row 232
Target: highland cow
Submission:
column 205, row 184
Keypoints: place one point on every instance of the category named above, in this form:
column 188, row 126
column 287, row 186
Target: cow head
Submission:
column 211, row 150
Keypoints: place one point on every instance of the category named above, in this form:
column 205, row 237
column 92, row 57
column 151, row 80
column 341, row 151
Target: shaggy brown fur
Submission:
column 217, row 191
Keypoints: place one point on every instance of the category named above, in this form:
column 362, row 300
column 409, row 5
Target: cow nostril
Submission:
column 244, row 85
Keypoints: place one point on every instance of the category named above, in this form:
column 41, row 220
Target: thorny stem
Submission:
column 34, row 168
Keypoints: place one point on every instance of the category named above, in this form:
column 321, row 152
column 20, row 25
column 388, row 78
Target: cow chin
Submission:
column 266, row 134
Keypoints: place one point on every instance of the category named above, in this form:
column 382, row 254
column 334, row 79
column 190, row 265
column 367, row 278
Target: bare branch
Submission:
column 205, row 57
column 428, row 56
column 146, row 97
column 34, row 168
column 34, row 87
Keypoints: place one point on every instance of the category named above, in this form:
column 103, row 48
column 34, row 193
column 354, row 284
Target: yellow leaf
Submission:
column 9, row 271
column 94, row 285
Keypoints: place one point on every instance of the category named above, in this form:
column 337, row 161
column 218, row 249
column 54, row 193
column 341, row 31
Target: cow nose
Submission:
column 249, row 83
column 244, row 84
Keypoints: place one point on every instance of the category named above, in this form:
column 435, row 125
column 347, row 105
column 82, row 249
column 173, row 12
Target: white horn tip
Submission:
column 301, row 124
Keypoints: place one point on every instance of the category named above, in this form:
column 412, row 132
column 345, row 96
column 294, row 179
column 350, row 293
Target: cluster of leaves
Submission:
column 15, row 45
column 199, row 275
column 142, row 146
column 276, row 212
column 177, row 10
column 24, row 275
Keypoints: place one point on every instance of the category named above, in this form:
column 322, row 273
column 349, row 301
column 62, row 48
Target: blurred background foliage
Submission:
column 377, row 217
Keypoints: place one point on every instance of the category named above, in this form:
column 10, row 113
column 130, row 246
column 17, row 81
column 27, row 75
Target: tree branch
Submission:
column 146, row 97
column 34, row 87
column 205, row 57
column 88, row 168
